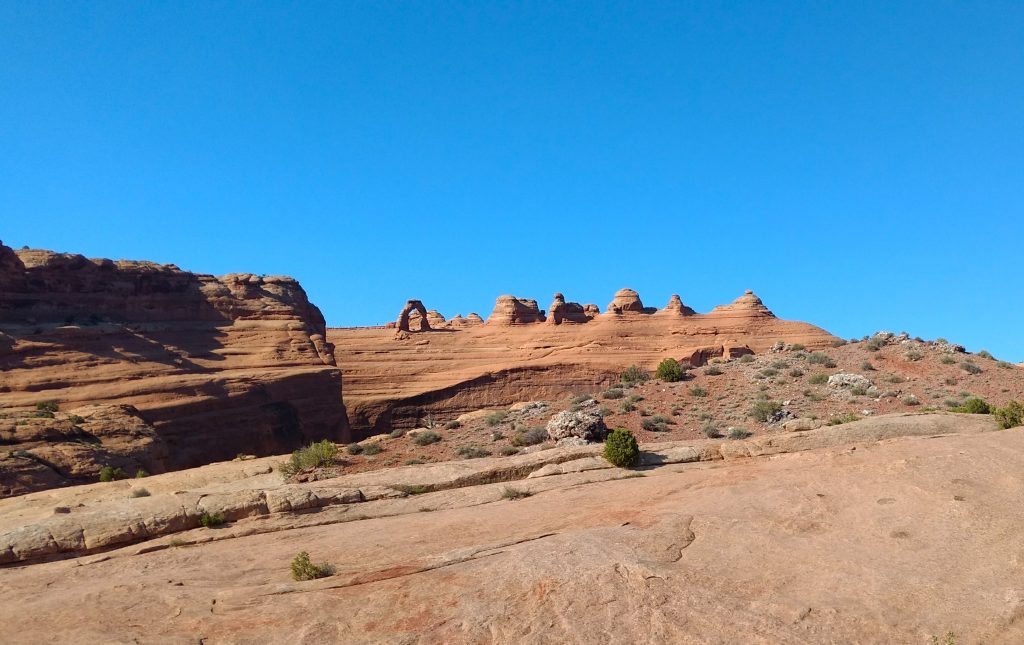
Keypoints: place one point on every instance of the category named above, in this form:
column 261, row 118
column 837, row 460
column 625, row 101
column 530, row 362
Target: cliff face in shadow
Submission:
column 198, row 368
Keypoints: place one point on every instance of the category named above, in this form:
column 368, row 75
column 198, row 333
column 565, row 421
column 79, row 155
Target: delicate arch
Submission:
column 410, row 306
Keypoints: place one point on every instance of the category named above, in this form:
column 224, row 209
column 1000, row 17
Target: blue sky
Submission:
column 859, row 165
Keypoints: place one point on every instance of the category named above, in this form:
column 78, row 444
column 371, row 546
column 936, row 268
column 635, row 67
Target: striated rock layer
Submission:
column 396, row 383
column 203, row 368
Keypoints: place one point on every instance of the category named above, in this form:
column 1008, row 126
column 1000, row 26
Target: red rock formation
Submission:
column 216, row 366
column 626, row 300
column 746, row 305
column 676, row 307
column 509, row 310
column 561, row 311
column 405, row 320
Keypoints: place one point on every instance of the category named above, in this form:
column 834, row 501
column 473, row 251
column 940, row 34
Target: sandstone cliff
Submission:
column 210, row 367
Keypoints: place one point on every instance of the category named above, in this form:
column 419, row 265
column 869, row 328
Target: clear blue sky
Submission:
column 859, row 165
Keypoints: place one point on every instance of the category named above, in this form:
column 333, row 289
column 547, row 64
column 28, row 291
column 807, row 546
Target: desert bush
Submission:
column 494, row 418
column 140, row 473
column 453, row 425
column 614, row 393
column 710, row 430
column 529, row 437
column 635, row 398
column 896, row 378
column 579, row 398
column 47, row 406
column 472, row 452
column 818, row 378
column 514, row 493
column 747, row 358
column 109, row 474
column 210, row 520
column 839, row 342
column 764, row 410
column 634, row 374
column 818, row 358
column 840, row 419
column 796, row 347
column 910, row 399
column 304, row 569
column 670, row 370
column 698, row 391
column 604, row 411
column 372, row 448
column 712, row 370
column 867, row 366
column 970, row 367
column 43, row 414
column 914, row 355
column 413, row 462
column 426, row 438
column 620, row 448
column 984, row 354
column 738, row 433
column 76, row 420
column 1010, row 416
column 767, row 372
column 315, row 455
column 947, row 360
column 858, row 391
column 796, row 372
column 627, row 406
column 140, row 492
column 508, row 451
column 874, row 344
column 397, row 433
column 353, row 449
column 973, row 405
column 949, row 380
column 1004, row 365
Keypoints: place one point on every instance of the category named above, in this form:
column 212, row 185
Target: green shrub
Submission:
column 710, row 430
column 627, row 406
column 767, row 372
column 304, row 569
column 634, row 374
column 670, row 370
column 426, row 438
column 47, row 406
column 818, row 378
column 316, row 455
column 874, row 344
column 353, row 449
column 819, row 358
column 109, row 474
column 984, row 354
column 747, row 358
column 508, row 451
column 140, row 473
column 414, row 461
column 867, row 366
column 372, row 448
column 973, row 405
column 604, row 411
column 209, row 520
column 453, row 425
column 970, row 367
column 910, row 399
column 698, row 391
column 896, row 378
column 397, row 433
column 1004, row 365
column 529, row 437
column 614, row 393
column 43, row 414
column 764, row 410
column 949, row 380
column 796, row 372
column 914, row 355
column 947, row 360
column 580, row 398
column 713, row 370
column 858, row 391
column 76, row 420
column 796, row 347
column 839, row 342
column 494, row 418
column 620, row 448
column 1010, row 416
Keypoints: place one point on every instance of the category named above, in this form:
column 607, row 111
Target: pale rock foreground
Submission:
column 894, row 541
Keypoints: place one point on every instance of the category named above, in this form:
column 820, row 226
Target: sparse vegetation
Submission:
column 796, row 372
column 710, row 430
column 304, row 569
column 140, row 492
column 529, row 437
column 747, row 358
column 76, row 420
column 354, row 449
column 454, row 424
column 947, row 360
column 764, row 410
column 670, row 370
column 840, row 419
column 109, row 474
column 634, row 375
column 514, row 493
column 494, row 418
column 372, row 448
column 397, row 433
column 914, row 355
column 47, row 406
column 210, row 520
column 315, row 455
column 140, row 474
column 874, row 344
column 614, row 393
column 911, row 399
column 620, row 448
column 712, row 370
column 738, row 433
column 820, row 358
column 472, row 452
column 984, row 354
column 818, row 378
column 867, row 366
column 426, row 438
column 411, row 489
column 970, row 367
column 698, row 391
column 508, row 451
column 627, row 406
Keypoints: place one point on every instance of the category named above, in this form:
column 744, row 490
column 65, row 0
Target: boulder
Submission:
column 849, row 381
column 586, row 424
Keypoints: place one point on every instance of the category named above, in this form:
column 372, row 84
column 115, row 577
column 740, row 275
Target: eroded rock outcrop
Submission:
column 510, row 310
column 561, row 311
column 405, row 322
column 675, row 306
column 625, row 300
column 215, row 365
column 746, row 305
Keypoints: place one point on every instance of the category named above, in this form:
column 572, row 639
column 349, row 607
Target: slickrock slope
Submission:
column 888, row 530
column 153, row 368
column 397, row 381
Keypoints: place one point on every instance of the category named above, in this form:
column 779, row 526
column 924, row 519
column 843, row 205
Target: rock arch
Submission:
column 403, row 318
